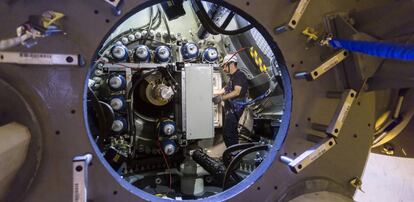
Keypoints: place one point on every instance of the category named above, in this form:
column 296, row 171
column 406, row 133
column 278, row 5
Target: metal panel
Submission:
column 218, row 110
column 198, row 105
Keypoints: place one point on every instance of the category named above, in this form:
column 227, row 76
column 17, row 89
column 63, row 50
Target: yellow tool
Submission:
column 257, row 59
column 310, row 33
column 51, row 18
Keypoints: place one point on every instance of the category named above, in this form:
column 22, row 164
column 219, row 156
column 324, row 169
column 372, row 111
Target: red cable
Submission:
column 168, row 166
column 235, row 53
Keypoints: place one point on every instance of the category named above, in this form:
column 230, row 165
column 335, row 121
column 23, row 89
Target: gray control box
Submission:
column 197, row 105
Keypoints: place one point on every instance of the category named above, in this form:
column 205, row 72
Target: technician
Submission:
column 232, row 94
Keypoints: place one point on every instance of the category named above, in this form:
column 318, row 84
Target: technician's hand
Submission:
column 217, row 99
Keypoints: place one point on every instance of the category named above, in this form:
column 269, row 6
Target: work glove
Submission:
column 217, row 99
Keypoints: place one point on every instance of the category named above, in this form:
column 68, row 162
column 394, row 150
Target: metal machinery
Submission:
column 112, row 98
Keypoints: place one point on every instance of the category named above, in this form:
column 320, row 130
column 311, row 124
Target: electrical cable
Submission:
column 168, row 167
column 166, row 26
column 157, row 20
column 258, row 98
column 105, row 47
column 101, row 117
column 165, row 159
column 150, row 25
column 238, row 158
column 209, row 25
column 227, row 20
column 237, row 147
column 203, row 17
column 261, row 97
column 234, row 54
column 130, row 107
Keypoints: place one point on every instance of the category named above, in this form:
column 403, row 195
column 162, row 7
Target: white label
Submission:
column 38, row 58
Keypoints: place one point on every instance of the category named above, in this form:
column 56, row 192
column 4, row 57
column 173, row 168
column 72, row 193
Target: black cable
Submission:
column 237, row 147
column 167, row 26
column 228, row 20
column 104, row 133
column 150, row 25
column 108, row 107
column 238, row 158
column 203, row 16
column 157, row 16
column 129, row 95
column 210, row 26
column 130, row 107
column 157, row 20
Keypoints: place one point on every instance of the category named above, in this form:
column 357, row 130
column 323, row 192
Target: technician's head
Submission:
column 229, row 64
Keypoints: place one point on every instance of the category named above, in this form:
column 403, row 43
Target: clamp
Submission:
column 294, row 20
column 80, row 166
column 310, row 33
column 333, row 130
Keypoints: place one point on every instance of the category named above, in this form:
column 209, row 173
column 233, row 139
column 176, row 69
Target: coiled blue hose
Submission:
column 377, row 49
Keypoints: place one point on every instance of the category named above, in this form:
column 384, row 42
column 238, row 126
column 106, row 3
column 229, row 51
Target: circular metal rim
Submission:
column 33, row 159
column 280, row 136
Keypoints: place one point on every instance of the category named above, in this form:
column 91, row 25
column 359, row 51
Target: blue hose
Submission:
column 238, row 105
column 376, row 49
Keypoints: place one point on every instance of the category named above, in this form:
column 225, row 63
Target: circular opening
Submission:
column 14, row 108
column 145, row 115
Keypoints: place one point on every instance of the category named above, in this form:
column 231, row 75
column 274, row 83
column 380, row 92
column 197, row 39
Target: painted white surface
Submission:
column 322, row 196
column 14, row 143
column 387, row 179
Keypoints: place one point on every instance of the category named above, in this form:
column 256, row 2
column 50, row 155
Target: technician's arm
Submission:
column 232, row 94
column 220, row 92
